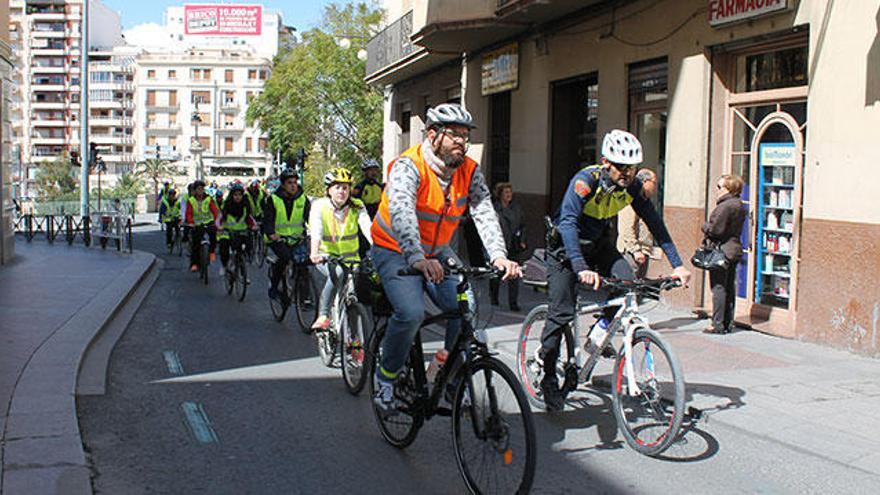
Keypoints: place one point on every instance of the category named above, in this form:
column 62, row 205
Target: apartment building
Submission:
column 7, row 208
column 785, row 93
column 48, row 51
column 191, row 109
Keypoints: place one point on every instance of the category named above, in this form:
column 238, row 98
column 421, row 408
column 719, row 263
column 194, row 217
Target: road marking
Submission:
column 198, row 422
column 172, row 360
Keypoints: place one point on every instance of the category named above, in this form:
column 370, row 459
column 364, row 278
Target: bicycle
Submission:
column 348, row 322
column 236, row 278
column 473, row 380
column 176, row 243
column 648, row 389
column 258, row 247
column 204, row 251
column 296, row 287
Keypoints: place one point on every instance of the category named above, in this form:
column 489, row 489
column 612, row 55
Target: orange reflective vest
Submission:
column 439, row 210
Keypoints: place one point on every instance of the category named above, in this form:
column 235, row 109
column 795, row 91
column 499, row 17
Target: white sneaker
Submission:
column 384, row 398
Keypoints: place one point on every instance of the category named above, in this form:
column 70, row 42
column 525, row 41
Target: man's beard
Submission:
column 450, row 160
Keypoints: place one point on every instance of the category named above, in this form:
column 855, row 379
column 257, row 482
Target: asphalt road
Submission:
column 280, row 422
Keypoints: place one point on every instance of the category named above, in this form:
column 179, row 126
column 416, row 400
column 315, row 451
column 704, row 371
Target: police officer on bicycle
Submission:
column 583, row 248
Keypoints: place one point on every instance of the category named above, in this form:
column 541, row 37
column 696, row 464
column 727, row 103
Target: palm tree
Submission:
column 155, row 169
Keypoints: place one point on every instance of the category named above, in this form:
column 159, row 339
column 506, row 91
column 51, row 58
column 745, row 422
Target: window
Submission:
column 151, row 119
column 201, row 97
column 248, row 144
column 204, row 118
column 648, row 96
column 227, row 145
column 172, row 98
column 99, row 77
column 172, row 141
column 264, row 74
column 151, row 140
column 228, row 120
column 229, row 75
column 772, row 70
column 172, row 119
column 262, row 145
column 151, row 97
column 151, row 74
column 205, row 141
column 172, row 74
column 405, row 117
column 200, row 74
column 249, row 96
column 252, row 74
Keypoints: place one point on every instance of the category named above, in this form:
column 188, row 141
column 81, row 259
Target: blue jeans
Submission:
column 406, row 295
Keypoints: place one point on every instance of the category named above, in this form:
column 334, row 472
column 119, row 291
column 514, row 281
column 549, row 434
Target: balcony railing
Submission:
column 390, row 45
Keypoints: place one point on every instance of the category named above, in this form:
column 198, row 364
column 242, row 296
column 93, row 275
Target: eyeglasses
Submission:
column 464, row 137
column 623, row 168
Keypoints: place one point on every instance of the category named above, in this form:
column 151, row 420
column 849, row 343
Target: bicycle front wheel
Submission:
column 352, row 339
column 493, row 432
column 241, row 281
column 305, row 298
column 649, row 406
column 279, row 309
column 203, row 263
column 327, row 345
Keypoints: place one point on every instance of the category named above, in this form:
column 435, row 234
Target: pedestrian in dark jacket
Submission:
column 513, row 229
column 724, row 229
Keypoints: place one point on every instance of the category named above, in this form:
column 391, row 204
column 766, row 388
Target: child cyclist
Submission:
column 334, row 223
column 235, row 218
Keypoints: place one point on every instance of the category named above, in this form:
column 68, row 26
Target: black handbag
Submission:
column 710, row 257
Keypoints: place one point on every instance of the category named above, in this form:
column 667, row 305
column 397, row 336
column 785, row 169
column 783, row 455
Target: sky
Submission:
column 136, row 14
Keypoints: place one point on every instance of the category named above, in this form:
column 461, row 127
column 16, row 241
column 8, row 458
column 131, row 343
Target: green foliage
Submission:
column 316, row 93
column 128, row 186
column 155, row 170
column 56, row 180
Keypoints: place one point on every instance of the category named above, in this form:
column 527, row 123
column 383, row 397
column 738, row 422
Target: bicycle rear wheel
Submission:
column 241, row 281
column 260, row 250
column 279, row 309
column 493, row 432
column 529, row 368
column 352, row 339
column 651, row 419
column 229, row 280
column 401, row 429
column 305, row 298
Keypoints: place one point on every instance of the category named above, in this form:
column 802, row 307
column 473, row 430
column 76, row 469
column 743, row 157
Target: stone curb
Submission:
column 44, row 451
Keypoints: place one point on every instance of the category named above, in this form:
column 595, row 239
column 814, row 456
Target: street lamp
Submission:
column 196, row 147
column 344, row 42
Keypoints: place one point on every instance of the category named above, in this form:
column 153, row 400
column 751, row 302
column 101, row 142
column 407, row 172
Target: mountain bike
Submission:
column 204, row 247
column 296, row 287
column 236, row 277
column 647, row 384
column 493, row 434
column 176, row 243
column 349, row 322
column 258, row 247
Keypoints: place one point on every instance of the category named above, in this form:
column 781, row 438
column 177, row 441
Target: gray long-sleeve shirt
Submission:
column 403, row 186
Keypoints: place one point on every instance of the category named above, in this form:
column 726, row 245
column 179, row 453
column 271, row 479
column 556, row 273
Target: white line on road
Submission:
column 198, row 422
column 172, row 360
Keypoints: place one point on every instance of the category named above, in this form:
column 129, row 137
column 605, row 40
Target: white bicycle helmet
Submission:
column 449, row 114
column 622, row 147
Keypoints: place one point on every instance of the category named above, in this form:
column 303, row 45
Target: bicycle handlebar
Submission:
column 470, row 272
column 644, row 286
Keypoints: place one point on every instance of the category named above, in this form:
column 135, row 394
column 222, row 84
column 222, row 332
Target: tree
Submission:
column 128, row 186
column 316, row 93
column 56, row 179
column 155, row 169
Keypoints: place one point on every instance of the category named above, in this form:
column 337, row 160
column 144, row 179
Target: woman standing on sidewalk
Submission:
column 513, row 228
column 724, row 229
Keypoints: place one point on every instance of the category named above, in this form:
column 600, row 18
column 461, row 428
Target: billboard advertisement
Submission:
column 223, row 19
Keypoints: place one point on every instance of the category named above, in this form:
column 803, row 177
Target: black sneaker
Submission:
column 553, row 398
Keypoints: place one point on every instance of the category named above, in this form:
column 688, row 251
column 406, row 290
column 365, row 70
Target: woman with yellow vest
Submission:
column 429, row 188
column 236, row 217
column 201, row 215
column 334, row 224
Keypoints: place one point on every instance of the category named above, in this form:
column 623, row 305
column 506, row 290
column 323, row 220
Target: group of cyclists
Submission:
column 409, row 224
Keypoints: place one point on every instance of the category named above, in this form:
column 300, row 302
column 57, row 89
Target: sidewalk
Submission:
column 808, row 397
column 54, row 301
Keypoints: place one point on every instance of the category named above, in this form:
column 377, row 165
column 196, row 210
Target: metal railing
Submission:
column 101, row 226
column 390, row 45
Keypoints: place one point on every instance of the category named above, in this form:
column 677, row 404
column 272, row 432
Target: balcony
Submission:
column 162, row 107
column 392, row 57
column 162, row 128
column 229, row 106
column 48, row 140
column 110, row 122
column 468, row 26
column 111, row 138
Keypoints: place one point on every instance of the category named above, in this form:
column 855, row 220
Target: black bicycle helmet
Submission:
column 287, row 173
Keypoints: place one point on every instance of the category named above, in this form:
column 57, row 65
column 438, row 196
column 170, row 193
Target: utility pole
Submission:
column 84, row 112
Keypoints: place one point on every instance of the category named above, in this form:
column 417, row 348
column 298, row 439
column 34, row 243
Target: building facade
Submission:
column 47, row 57
column 7, row 207
column 191, row 109
column 784, row 93
column 112, row 112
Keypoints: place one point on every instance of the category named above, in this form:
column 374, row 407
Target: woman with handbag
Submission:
column 723, row 230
